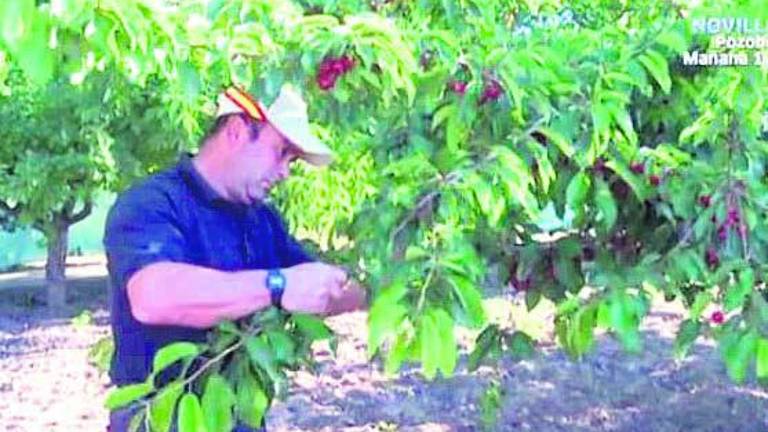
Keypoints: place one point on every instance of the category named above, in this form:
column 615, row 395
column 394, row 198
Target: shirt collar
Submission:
column 197, row 183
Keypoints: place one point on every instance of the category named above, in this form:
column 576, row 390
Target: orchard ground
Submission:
column 47, row 383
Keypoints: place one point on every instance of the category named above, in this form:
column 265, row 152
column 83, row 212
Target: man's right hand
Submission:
column 312, row 287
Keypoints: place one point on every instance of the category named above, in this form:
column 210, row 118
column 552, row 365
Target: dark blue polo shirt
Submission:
column 176, row 216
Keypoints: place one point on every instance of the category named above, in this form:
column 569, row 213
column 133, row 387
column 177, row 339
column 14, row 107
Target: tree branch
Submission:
column 82, row 214
column 423, row 203
column 67, row 209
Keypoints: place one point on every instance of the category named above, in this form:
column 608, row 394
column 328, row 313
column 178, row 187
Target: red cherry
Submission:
column 521, row 285
column 458, row 87
column 713, row 261
column 337, row 66
column 718, row 317
column 491, row 92
column 527, row 282
column 327, row 66
column 705, row 201
column 637, row 168
column 347, row 63
column 326, row 81
column 620, row 189
column 599, row 165
column 654, row 179
column 733, row 216
column 722, row 232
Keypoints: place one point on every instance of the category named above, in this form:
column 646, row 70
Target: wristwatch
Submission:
column 276, row 284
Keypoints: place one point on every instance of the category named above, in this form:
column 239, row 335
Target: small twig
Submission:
column 423, row 203
column 428, row 280
column 210, row 362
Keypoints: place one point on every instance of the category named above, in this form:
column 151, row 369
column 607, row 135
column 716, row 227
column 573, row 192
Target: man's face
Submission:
column 259, row 164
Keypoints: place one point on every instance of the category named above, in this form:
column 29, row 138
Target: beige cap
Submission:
column 287, row 114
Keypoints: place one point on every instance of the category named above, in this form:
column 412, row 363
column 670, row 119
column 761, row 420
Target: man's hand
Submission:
column 312, row 287
column 353, row 298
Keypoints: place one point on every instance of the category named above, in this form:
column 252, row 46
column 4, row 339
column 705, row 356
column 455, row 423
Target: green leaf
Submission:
column 576, row 193
column 560, row 141
column 283, row 346
column 397, row 354
column 162, row 407
column 448, row 354
column 311, row 326
column 737, row 351
column 582, row 333
column 252, row 402
column 486, row 340
column 137, row 421
column 383, row 319
column 532, row 299
column 761, row 366
column 657, row 65
column 636, row 183
column 702, row 300
column 218, row 401
column 455, row 131
column 222, row 341
column 621, row 117
column 189, row 79
column 483, row 194
column 123, row 396
column 34, row 56
column 604, row 315
column 601, row 120
column 262, row 356
column 190, row 417
column 606, row 205
column 686, row 336
column 520, row 345
column 429, row 341
column 172, row 353
column 624, row 321
column 470, row 298
column 738, row 292
column 16, row 18
column 568, row 273
column 228, row 327
column 674, row 40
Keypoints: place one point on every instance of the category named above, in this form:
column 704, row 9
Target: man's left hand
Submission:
column 352, row 297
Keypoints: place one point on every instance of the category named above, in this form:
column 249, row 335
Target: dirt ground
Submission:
column 46, row 383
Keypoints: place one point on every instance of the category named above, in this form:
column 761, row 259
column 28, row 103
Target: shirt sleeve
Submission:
column 289, row 250
column 142, row 229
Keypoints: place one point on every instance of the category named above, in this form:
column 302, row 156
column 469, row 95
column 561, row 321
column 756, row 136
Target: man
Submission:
column 195, row 244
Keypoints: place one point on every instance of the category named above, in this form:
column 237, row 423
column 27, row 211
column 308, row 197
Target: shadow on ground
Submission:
column 607, row 391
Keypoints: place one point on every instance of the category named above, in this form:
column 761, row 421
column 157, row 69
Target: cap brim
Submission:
column 314, row 151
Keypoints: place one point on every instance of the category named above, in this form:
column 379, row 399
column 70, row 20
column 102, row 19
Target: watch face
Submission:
column 276, row 280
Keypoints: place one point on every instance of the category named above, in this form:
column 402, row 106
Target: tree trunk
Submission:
column 55, row 265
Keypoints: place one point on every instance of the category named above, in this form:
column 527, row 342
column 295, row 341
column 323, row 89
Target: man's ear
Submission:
column 237, row 131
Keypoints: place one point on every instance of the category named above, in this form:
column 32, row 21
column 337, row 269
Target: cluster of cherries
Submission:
column 639, row 168
column 331, row 69
column 491, row 92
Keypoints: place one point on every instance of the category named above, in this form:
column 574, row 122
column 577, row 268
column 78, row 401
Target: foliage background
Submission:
column 572, row 157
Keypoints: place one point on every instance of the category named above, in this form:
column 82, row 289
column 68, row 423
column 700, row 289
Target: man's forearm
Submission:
column 192, row 296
